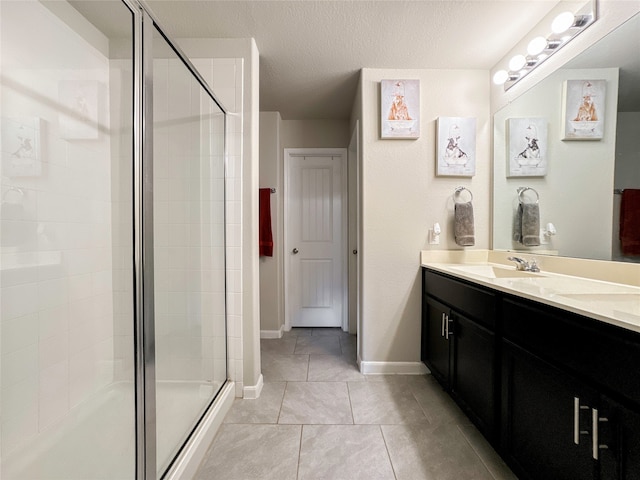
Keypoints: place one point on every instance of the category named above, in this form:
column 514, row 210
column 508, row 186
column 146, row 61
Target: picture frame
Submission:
column 527, row 147
column 22, row 147
column 583, row 109
column 456, row 147
column 78, row 118
column 400, row 109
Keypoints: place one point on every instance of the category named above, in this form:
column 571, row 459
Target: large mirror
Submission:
column 579, row 188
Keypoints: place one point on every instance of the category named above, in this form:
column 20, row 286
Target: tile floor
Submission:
column 318, row 417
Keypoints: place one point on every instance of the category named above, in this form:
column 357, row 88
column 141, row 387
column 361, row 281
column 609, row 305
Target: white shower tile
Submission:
column 79, row 287
column 53, row 394
column 20, row 332
column 53, row 350
column 18, row 300
column 19, row 365
column 53, row 321
column 19, row 412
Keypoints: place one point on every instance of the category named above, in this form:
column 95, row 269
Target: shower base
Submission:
column 96, row 439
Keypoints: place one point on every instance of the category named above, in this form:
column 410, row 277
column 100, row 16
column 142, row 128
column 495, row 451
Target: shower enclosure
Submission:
column 112, row 238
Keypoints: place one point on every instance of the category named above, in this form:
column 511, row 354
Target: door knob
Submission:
column 295, row 251
column 355, row 252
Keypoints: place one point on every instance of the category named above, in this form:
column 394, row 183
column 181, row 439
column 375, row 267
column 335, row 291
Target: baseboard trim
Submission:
column 272, row 333
column 194, row 452
column 254, row 391
column 392, row 368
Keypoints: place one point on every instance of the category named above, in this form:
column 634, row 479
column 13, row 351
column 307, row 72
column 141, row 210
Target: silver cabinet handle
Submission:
column 576, row 420
column 446, row 328
column 596, row 447
column 442, row 324
column 295, row 251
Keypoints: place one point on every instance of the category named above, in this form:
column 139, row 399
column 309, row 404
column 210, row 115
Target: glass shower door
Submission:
column 189, row 260
column 66, row 296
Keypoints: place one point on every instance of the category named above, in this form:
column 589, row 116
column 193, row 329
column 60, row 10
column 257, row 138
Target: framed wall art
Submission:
column 583, row 104
column 21, row 147
column 527, row 147
column 456, row 150
column 400, row 109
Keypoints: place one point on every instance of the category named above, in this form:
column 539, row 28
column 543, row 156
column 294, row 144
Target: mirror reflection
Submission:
column 588, row 162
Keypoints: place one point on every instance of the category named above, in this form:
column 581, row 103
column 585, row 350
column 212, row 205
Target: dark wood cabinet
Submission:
column 436, row 347
column 618, row 441
column 539, row 427
column 460, row 349
column 557, row 393
column 473, row 382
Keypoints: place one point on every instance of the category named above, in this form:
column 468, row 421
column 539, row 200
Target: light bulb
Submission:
column 517, row 62
column 536, row 46
column 562, row 22
column 500, row 77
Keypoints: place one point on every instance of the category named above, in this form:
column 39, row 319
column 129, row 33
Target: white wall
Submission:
column 271, row 268
column 402, row 198
column 276, row 135
column 578, row 186
column 627, row 172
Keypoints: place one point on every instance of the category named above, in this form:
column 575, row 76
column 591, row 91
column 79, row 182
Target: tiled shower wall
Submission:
column 225, row 75
column 56, row 295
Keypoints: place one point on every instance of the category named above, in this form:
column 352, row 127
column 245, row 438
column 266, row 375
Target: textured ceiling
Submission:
column 311, row 51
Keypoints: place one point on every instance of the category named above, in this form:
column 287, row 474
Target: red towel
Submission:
column 266, row 237
column 630, row 222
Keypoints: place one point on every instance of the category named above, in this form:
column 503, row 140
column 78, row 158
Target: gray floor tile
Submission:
column 264, row 409
column 487, row 454
column 318, row 345
column 279, row 368
column 422, row 452
column 245, row 452
column 329, row 332
column 343, row 452
column 284, row 345
column 437, row 405
column 299, row 332
column 384, row 403
column 316, row 403
column 333, row 368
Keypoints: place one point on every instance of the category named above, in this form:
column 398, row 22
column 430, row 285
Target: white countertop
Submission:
column 614, row 303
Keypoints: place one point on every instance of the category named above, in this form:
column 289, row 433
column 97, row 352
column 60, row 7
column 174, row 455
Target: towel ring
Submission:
column 457, row 193
column 521, row 190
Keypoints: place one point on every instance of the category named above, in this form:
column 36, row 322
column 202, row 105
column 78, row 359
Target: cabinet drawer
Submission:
column 598, row 352
column 468, row 299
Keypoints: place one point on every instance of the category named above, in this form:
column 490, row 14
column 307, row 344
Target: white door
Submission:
column 314, row 238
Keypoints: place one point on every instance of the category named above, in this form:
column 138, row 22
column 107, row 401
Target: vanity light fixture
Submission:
column 564, row 28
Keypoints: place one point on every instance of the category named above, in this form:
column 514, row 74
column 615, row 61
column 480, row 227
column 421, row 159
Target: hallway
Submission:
column 318, row 417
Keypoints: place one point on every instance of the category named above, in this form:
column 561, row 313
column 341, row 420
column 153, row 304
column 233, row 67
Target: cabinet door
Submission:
column 618, row 441
column 538, row 407
column 435, row 343
column 473, row 378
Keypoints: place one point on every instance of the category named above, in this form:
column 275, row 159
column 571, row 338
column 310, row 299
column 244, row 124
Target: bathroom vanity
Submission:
column 545, row 365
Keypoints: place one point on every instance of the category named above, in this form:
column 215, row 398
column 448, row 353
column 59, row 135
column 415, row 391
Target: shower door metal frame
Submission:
column 143, row 269
column 144, row 24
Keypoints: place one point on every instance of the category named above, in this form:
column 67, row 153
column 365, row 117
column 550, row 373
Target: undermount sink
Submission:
column 492, row 271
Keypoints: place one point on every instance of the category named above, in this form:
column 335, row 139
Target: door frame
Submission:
column 289, row 153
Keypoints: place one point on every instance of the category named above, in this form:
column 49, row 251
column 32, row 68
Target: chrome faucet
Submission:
column 523, row 265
